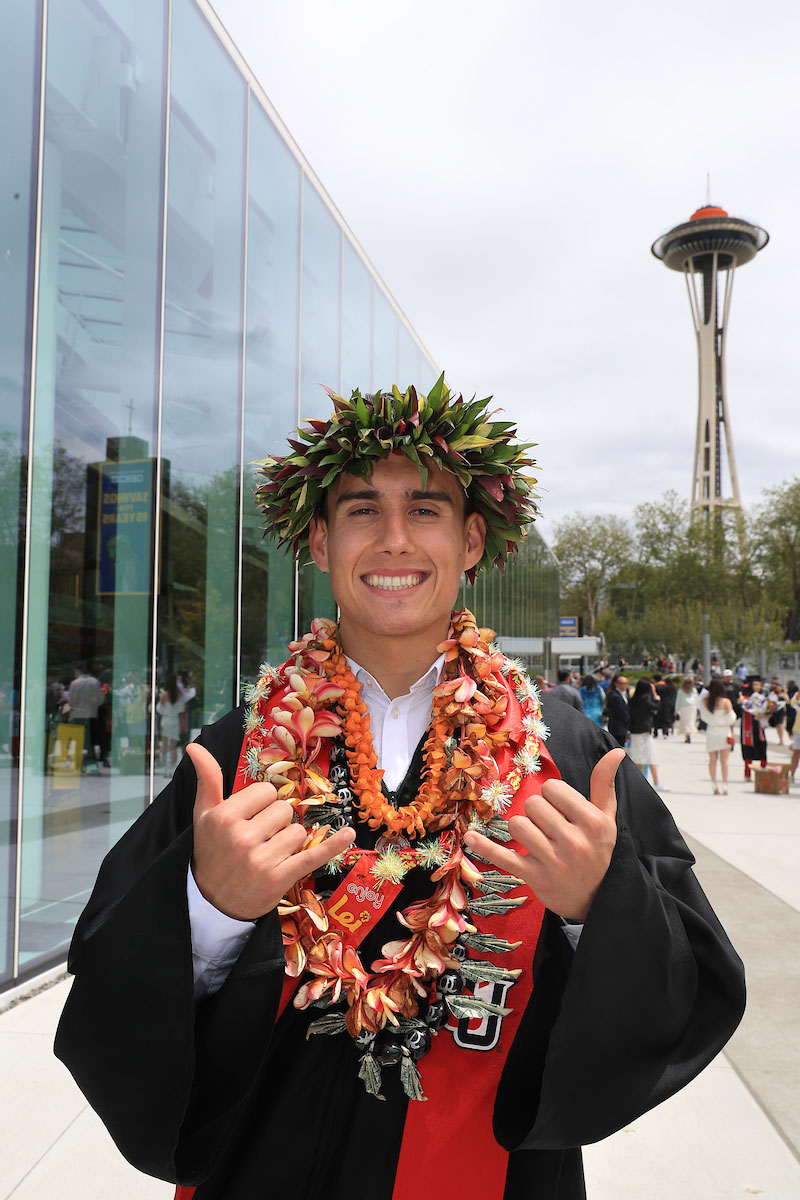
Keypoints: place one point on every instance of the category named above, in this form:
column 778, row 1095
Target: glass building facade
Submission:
column 523, row 600
column 175, row 285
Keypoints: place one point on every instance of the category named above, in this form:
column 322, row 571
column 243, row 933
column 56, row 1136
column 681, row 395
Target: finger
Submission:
column 254, row 799
column 304, row 863
column 209, row 779
column 533, row 840
column 284, row 844
column 602, row 792
column 498, row 856
column 557, row 803
column 268, row 821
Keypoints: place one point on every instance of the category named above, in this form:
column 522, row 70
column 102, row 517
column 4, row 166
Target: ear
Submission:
column 318, row 542
column 474, row 540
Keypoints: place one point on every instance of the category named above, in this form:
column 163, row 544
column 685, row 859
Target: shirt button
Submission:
column 395, row 712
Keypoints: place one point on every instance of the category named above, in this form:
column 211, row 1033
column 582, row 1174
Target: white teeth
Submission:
column 392, row 583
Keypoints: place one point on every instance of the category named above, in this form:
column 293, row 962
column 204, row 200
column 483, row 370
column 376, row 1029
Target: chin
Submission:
column 402, row 621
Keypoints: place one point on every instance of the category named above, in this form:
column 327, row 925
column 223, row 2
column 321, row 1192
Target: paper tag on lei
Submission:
column 359, row 902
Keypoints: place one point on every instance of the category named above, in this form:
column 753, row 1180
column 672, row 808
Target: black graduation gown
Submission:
column 203, row 1094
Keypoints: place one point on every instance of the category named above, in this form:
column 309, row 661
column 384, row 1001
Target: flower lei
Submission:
column 318, row 698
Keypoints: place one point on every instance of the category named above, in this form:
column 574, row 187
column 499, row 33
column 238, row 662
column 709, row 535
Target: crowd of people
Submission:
column 91, row 702
column 682, row 706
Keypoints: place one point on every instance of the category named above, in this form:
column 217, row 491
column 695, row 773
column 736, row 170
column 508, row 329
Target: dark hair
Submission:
column 589, row 682
column 643, row 688
column 563, row 676
column 716, row 691
column 171, row 688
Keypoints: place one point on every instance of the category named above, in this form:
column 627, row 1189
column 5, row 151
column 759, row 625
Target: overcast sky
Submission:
column 506, row 168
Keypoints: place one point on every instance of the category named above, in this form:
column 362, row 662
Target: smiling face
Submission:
column 395, row 553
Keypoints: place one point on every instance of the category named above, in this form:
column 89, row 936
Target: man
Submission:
column 732, row 690
column 85, row 697
column 479, row 861
column 566, row 692
column 619, row 716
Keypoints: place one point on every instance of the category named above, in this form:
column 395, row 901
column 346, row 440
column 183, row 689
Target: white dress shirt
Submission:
column 397, row 727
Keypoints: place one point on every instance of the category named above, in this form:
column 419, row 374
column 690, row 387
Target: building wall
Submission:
column 175, row 286
column 523, row 600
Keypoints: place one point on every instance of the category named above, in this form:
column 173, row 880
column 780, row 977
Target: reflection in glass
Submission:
column 524, row 600
column 356, row 322
column 202, row 368
column 320, row 356
column 19, row 87
column 273, row 238
column 384, row 351
column 91, row 481
column 408, row 370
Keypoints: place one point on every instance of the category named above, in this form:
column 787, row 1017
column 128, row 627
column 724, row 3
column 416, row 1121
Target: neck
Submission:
column 396, row 663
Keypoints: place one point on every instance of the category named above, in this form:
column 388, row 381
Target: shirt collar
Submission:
column 426, row 682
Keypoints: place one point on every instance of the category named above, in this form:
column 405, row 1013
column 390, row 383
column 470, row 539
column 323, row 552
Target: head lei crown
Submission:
column 437, row 430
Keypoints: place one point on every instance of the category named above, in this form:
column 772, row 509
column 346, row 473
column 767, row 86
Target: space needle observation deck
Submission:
column 707, row 249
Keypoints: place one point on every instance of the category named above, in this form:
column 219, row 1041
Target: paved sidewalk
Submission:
column 734, row 1132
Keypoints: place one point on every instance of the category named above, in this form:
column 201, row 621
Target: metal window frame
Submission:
column 26, row 575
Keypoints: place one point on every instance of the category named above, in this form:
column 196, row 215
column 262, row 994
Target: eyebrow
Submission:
column 374, row 494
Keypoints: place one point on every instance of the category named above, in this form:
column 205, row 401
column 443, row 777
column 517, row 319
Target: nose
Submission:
column 394, row 534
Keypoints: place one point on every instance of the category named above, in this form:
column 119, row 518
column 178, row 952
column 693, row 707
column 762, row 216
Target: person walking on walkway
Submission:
column 619, row 717
column 755, row 715
column 777, row 700
column 716, row 710
column 686, row 708
column 594, row 699
column 644, row 706
column 566, row 692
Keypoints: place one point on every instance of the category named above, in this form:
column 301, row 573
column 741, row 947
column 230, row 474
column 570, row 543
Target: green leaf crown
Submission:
column 438, row 430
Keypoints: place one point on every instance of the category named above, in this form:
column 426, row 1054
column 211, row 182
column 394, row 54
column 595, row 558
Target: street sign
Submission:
column 567, row 626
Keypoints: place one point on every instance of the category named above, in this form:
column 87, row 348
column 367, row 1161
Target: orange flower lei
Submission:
column 461, row 790
column 451, row 773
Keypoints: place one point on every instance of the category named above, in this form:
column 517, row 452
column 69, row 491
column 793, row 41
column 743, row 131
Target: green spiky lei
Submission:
column 437, row 430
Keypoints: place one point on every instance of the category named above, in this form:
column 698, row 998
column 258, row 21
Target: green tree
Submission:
column 775, row 536
column 591, row 551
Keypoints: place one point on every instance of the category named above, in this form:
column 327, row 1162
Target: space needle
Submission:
column 707, row 249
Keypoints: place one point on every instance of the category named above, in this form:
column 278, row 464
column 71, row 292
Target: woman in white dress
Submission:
column 686, row 708
column 171, row 704
column 717, row 712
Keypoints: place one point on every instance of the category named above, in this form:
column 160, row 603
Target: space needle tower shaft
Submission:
column 707, row 249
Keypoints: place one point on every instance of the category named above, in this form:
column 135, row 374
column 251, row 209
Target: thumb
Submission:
column 209, row 779
column 601, row 786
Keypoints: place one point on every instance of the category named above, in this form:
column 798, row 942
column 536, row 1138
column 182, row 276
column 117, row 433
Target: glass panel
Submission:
column 524, row 600
column 356, row 322
column 93, row 468
column 202, row 376
column 429, row 373
column 384, row 349
column 320, row 356
column 19, row 94
column 270, row 382
column 408, row 369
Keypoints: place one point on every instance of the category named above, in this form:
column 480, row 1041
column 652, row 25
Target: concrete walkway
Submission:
column 734, row 1132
